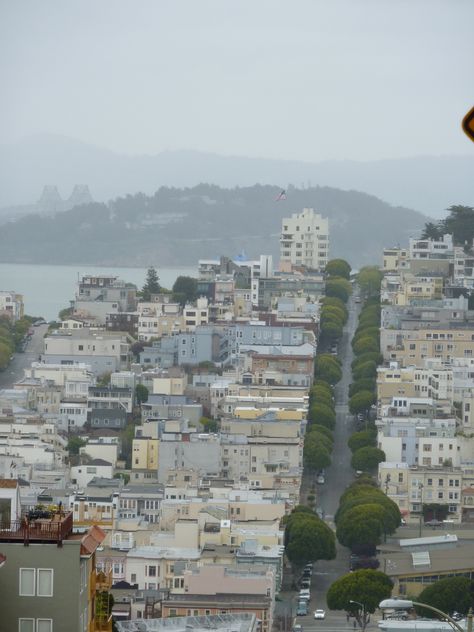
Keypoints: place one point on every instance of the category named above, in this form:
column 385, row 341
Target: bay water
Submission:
column 47, row 289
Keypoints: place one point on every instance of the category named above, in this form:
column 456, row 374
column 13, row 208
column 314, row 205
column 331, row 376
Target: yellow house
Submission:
column 145, row 452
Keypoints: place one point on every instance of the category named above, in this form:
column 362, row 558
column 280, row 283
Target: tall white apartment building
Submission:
column 304, row 240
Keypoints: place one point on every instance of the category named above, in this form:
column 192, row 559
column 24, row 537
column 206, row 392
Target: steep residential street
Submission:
column 21, row 361
column 338, row 476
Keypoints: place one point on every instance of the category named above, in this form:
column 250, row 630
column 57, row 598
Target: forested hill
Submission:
column 179, row 226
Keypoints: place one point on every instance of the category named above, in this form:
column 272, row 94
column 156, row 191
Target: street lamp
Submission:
column 407, row 604
column 420, row 487
column 364, row 623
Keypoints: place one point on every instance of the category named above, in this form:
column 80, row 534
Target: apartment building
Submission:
column 411, row 487
column 11, row 305
column 413, row 346
column 96, row 296
column 264, row 446
column 189, row 450
column 394, row 259
column 419, row 441
column 304, row 241
column 413, row 382
column 50, row 583
column 104, row 352
column 140, row 502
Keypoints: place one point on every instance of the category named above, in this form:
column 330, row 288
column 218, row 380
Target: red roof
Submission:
column 93, row 538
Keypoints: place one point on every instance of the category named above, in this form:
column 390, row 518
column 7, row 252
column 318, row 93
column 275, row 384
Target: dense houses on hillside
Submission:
column 425, row 385
column 158, row 443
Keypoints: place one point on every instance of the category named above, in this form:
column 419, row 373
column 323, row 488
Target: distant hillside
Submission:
column 428, row 184
column 179, row 226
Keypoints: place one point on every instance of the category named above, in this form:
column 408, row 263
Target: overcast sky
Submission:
column 299, row 79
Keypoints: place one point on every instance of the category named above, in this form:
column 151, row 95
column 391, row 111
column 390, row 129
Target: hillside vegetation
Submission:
column 178, row 226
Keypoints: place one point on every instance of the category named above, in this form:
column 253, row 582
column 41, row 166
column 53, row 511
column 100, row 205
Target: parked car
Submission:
column 305, row 582
column 302, row 609
column 305, row 594
column 319, row 614
column 320, row 480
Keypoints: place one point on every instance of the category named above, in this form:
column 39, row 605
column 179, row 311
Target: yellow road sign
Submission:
column 468, row 124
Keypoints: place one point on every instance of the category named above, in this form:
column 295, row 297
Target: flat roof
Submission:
column 239, row 622
column 429, row 541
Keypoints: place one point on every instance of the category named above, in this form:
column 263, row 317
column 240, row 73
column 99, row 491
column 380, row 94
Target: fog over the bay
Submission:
column 308, row 80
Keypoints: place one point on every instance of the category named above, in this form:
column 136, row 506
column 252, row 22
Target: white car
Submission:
column 319, row 614
column 305, row 594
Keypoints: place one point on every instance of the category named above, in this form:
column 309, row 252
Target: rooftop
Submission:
column 38, row 526
column 239, row 622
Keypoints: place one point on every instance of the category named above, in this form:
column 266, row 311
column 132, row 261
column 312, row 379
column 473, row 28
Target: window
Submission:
column 27, row 582
column 44, row 625
column 152, row 571
column 44, row 578
column 26, row 625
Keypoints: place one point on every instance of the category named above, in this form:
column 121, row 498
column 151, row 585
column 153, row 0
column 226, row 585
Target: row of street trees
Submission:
column 365, row 516
column 307, row 537
column 333, row 314
column 319, row 439
column 363, row 391
column 12, row 336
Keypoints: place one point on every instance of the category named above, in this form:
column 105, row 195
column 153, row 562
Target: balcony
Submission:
column 39, row 527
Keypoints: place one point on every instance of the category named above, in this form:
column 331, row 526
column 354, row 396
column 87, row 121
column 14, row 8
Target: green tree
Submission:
column 137, row 348
column 361, row 402
column 333, row 301
column 322, row 430
column 308, row 539
column 453, row 594
column 316, row 455
column 460, row 224
column 324, row 385
column 366, row 344
column 323, row 415
column 366, row 586
column 210, row 425
column 74, row 444
column 338, row 268
column 331, row 332
column 369, row 280
column 362, row 439
column 371, row 356
column 65, row 313
column 367, row 459
column 371, row 332
column 364, row 384
column 362, row 525
column 327, row 368
column 141, row 394
column 432, row 231
column 331, row 313
column 365, row 370
column 339, row 288
column 391, row 517
column 104, row 379
column 318, row 394
column 185, row 290
column 152, row 285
